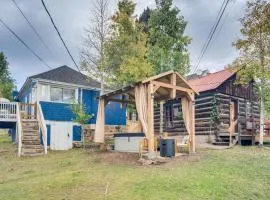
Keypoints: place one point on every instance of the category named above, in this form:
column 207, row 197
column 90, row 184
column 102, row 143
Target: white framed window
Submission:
column 43, row 92
column 56, row 94
column 62, row 95
column 68, row 95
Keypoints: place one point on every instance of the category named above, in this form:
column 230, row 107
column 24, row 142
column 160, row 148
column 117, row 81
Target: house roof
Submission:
column 212, row 80
column 67, row 75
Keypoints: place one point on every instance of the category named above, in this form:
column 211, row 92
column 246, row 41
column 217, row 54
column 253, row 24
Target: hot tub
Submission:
column 127, row 142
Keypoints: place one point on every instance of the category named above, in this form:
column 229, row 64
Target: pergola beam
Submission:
column 169, row 86
column 120, row 101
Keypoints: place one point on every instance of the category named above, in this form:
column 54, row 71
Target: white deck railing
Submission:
column 42, row 125
column 8, row 111
column 19, row 130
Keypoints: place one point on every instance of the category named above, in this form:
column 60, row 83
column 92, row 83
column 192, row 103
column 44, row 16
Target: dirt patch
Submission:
column 116, row 158
column 133, row 159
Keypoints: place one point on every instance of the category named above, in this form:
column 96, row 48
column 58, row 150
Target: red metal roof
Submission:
column 211, row 81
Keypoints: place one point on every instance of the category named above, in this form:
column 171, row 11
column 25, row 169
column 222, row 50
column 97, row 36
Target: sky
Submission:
column 73, row 17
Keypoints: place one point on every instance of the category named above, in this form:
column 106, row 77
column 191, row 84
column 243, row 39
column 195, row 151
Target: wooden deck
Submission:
column 8, row 111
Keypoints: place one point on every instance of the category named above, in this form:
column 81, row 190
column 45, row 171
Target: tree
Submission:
column 144, row 19
column 81, row 117
column 93, row 55
column 167, row 44
column 254, row 47
column 6, row 81
column 126, row 48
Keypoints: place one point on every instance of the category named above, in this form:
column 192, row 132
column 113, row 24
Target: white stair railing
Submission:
column 19, row 129
column 42, row 125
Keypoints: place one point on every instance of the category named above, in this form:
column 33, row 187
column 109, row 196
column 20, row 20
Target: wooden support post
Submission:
column 161, row 117
column 173, row 90
column 150, row 119
column 192, row 122
column 232, row 124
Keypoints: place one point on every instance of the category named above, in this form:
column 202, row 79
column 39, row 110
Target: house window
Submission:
column 57, row 94
column 68, row 95
column 62, row 95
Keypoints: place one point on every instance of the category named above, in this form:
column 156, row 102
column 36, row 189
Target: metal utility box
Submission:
column 167, row 147
column 127, row 142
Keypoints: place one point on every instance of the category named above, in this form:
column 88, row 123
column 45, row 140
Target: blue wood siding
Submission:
column 57, row 111
column 114, row 114
column 25, row 97
column 48, row 135
column 77, row 134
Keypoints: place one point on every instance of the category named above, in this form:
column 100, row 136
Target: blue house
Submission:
column 55, row 91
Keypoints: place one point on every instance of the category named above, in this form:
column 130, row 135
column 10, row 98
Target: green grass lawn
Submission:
column 239, row 173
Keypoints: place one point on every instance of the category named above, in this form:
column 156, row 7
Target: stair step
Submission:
column 32, row 150
column 31, row 138
column 221, row 143
column 31, row 134
column 29, row 120
column 34, row 132
column 31, row 142
column 31, row 154
column 32, row 147
column 34, row 126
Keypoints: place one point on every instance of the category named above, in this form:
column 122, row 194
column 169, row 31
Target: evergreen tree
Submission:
column 167, row 44
column 126, row 48
column 144, row 19
column 6, row 81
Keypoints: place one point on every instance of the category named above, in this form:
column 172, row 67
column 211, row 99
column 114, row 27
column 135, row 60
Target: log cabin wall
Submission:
column 246, row 105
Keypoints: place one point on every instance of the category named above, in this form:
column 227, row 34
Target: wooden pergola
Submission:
column 166, row 86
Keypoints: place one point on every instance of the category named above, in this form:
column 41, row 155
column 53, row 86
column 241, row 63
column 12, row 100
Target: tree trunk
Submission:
column 261, row 118
column 102, row 85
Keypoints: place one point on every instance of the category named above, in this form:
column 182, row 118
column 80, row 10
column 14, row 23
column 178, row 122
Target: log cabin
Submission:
column 225, row 112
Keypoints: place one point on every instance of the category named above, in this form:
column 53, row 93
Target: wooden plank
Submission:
column 173, row 83
column 120, row 101
column 169, row 86
column 192, row 123
column 150, row 119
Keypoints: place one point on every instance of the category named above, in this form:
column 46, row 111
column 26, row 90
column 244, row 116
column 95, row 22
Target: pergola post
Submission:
column 192, row 122
column 150, row 120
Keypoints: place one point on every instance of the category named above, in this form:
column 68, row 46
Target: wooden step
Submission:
column 32, row 137
column 221, row 143
column 31, row 142
column 30, row 126
column 32, row 146
column 31, row 154
column 31, row 133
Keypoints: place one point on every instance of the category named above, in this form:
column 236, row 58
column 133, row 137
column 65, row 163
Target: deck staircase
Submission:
column 30, row 126
column 223, row 139
column 33, row 130
column 31, row 138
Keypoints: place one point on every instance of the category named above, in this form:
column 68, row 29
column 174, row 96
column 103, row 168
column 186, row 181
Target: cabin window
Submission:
column 169, row 115
column 62, row 95
column 248, row 109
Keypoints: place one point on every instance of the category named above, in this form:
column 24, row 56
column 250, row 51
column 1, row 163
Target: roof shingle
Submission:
column 67, row 75
column 211, row 81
